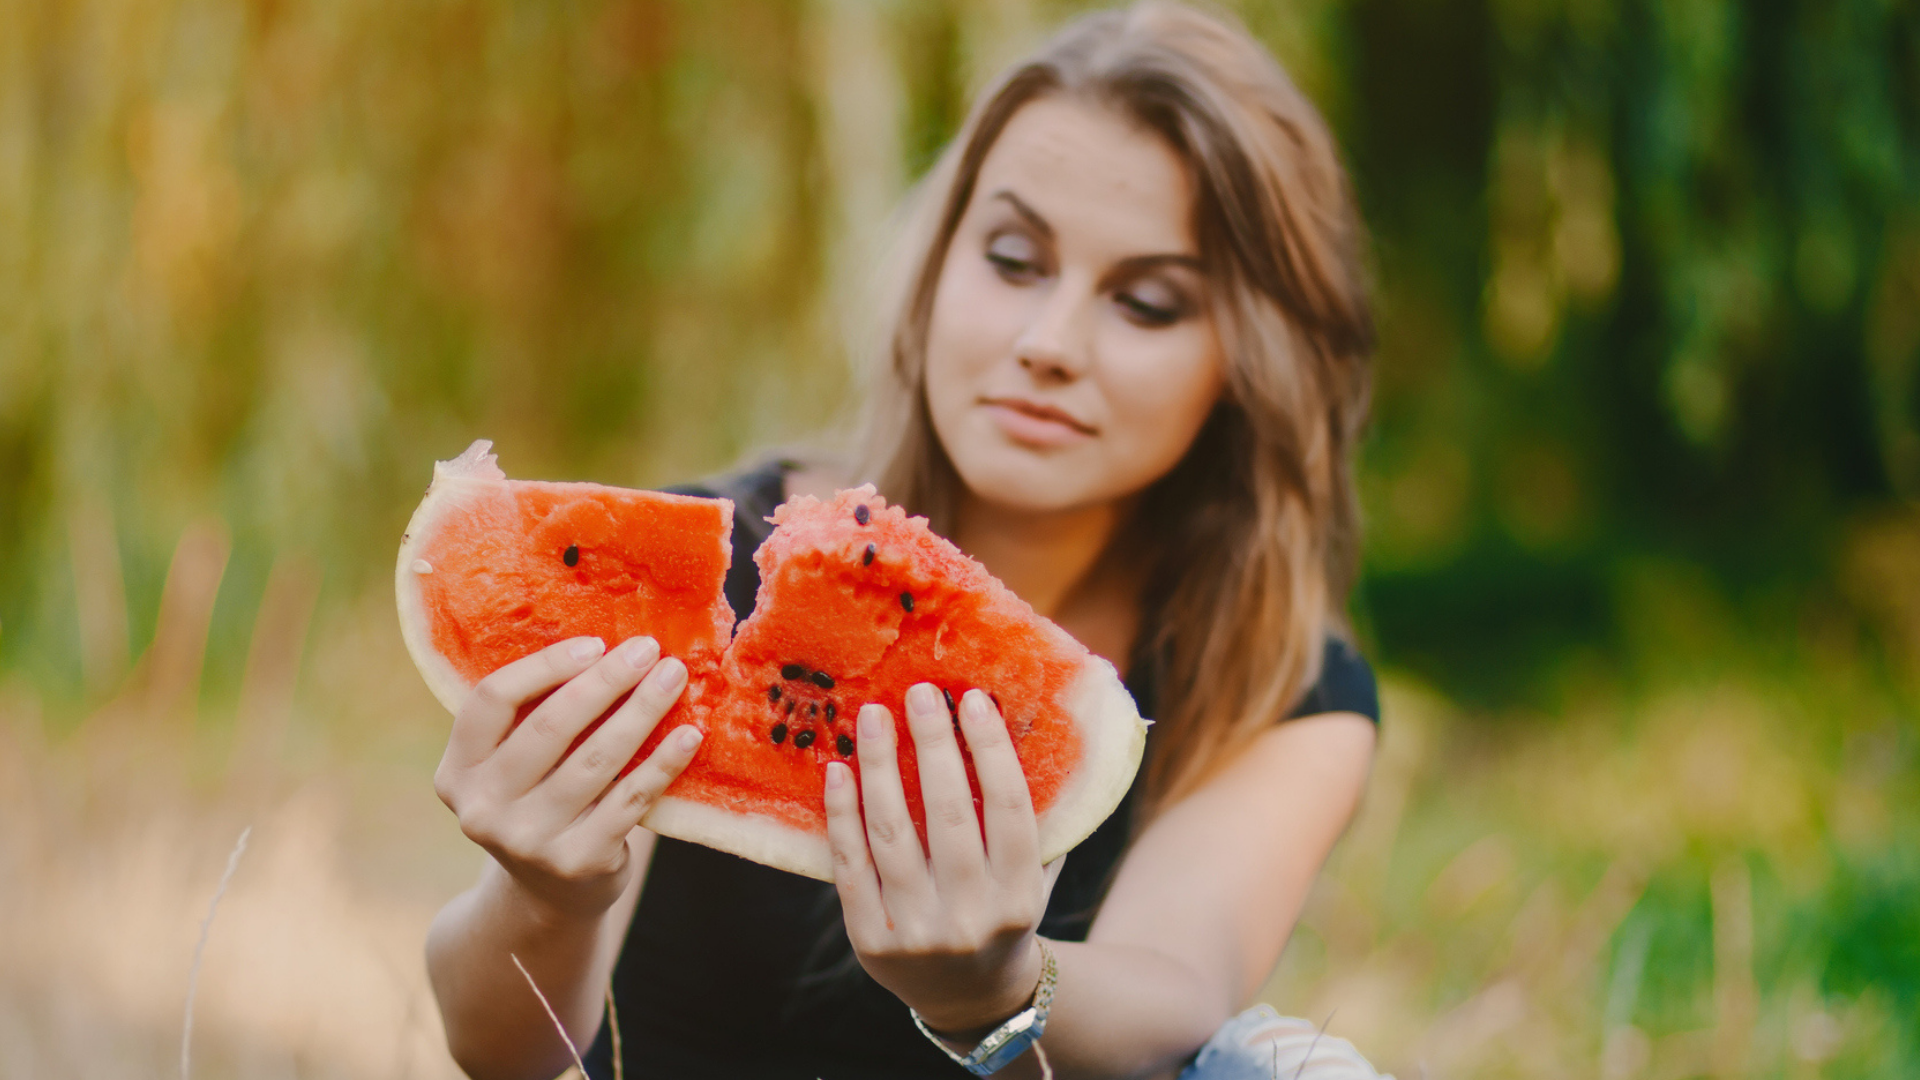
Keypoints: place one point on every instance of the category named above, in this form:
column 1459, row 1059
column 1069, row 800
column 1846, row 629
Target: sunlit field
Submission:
column 1701, row 876
column 1643, row 571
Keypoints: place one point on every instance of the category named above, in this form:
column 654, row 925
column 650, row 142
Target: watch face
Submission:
column 1007, row 1042
column 1007, row 1032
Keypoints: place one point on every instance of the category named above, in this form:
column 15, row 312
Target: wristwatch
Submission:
column 1011, row 1039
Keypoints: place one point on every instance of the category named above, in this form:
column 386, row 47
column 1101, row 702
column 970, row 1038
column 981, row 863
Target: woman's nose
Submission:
column 1057, row 345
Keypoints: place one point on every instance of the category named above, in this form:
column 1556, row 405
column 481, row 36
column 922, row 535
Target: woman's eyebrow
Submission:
column 1137, row 263
column 1020, row 207
column 1130, row 265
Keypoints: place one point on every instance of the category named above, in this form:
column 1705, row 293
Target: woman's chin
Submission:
column 1033, row 487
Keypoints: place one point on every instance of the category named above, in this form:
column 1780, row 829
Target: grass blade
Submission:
column 557, row 1025
column 200, row 948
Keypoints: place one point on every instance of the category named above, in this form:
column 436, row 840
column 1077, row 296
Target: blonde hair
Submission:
column 1251, row 540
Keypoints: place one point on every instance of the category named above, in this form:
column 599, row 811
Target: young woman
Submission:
column 1126, row 373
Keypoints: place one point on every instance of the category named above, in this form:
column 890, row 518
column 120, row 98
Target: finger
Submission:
column 588, row 769
column 543, row 738
column 1013, row 835
column 853, row 871
column 624, row 804
column 953, row 825
column 890, row 835
column 488, row 714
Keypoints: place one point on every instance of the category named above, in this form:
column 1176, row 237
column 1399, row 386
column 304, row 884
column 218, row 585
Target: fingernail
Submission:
column 836, row 776
column 872, row 721
column 974, row 702
column 670, row 675
column 639, row 652
column 586, row 648
column 922, row 699
column 687, row 738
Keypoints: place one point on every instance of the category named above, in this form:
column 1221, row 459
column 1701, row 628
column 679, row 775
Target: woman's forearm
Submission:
column 1122, row 1011
column 496, row 1028
column 1168, row 964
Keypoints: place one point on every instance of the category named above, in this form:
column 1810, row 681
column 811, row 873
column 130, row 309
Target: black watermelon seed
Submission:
column 861, row 514
column 793, row 671
column 830, row 711
column 845, row 746
column 804, row 739
column 572, row 557
column 867, row 559
column 779, row 734
column 906, row 600
column 823, row 680
column 813, row 708
column 773, row 692
column 948, row 694
column 790, row 708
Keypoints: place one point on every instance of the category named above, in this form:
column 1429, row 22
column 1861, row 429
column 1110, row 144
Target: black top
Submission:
column 737, row 971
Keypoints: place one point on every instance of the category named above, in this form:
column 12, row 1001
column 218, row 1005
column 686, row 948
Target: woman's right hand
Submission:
column 557, row 822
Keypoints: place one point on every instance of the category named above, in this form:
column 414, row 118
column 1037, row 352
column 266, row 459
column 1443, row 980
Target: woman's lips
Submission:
column 1038, row 425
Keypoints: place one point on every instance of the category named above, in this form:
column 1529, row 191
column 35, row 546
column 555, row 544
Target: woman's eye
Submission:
column 1149, row 313
column 1009, row 265
column 1014, row 257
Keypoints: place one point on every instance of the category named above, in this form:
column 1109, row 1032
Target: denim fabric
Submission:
column 1260, row 1044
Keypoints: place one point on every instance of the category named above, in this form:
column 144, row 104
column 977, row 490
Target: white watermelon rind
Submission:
column 1113, row 738
column 452, row 480
column 750, row 836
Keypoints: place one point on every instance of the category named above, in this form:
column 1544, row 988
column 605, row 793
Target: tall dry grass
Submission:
column 113, row 836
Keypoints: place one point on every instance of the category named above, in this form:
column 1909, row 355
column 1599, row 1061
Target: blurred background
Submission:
column 1643, row 486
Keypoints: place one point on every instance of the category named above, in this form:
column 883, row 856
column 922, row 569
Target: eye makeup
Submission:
column 1153, row 302
column 1015, row 255
column 1019, row 250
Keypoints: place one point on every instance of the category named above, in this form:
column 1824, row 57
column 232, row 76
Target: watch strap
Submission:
column 1011, row 1039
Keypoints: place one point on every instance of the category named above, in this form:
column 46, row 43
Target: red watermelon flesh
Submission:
column 493, row 569
column 857, row 602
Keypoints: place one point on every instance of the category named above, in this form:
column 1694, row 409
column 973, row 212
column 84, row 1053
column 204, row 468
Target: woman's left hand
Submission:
column 950, row 930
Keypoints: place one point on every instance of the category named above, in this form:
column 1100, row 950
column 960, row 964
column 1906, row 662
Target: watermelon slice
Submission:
column 857, row 602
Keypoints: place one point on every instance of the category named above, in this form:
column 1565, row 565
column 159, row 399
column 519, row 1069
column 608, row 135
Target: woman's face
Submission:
column 1071, row 356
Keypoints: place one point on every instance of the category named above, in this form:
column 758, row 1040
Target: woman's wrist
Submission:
column 544, row 912
column 964, row 1024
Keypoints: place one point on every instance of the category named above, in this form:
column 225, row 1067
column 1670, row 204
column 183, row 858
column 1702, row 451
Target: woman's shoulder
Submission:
column 1346, row 684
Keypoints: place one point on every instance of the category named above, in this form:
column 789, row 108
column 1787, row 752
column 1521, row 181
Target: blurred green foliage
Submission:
column 1647, row 421
column 1652, row 279
column 1650, row 274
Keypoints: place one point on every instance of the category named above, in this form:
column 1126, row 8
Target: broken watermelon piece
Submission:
column 857, row 602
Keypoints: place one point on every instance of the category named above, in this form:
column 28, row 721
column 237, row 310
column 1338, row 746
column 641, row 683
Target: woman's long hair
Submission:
column 1251, row 539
